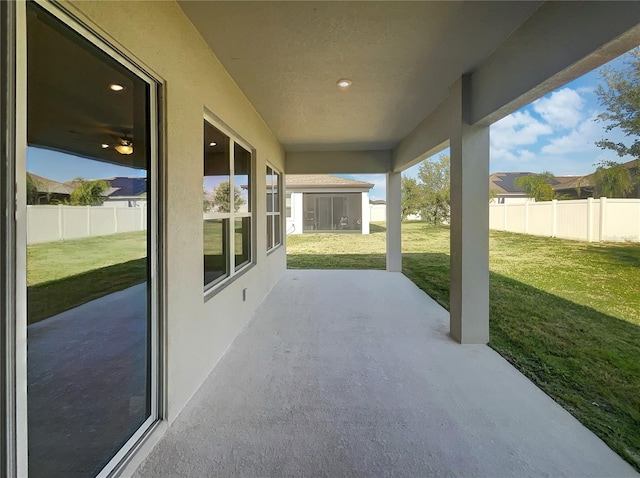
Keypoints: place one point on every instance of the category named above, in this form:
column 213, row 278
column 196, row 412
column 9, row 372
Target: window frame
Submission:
column 212, row 288
column 155, row 230
column 273, row 213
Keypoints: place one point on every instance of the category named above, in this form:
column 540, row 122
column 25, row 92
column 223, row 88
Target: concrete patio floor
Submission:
column 352, row 373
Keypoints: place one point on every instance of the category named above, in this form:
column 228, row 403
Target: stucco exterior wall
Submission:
column 162, row 39
column 295, row 222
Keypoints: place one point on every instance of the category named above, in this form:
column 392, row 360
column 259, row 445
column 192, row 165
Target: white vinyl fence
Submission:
column 55, row 223
column 591, row 220
column 378, row 212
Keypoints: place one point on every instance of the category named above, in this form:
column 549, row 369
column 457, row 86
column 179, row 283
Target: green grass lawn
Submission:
column 65, row 274
column 565, row 313
column 62, row 275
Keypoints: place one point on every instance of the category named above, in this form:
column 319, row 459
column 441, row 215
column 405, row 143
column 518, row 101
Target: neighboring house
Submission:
column 566, row 187
column 582, row 187
column 122, row 192
column 126, row 192
column 324, row 203
column 508, row 193
column 47, row 191
column 505, row 190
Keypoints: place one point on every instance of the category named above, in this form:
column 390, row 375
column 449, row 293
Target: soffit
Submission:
column 402, row 57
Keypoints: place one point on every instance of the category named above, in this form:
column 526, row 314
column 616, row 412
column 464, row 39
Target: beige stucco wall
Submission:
column 159, row 36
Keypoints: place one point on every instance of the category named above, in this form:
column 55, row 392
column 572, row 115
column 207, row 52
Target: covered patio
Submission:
column 251, row 369
column 353, row 373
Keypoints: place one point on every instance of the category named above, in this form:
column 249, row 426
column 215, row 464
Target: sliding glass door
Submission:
column 7, row 128
column 91, row 248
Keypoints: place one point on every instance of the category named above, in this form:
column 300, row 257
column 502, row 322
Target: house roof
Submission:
column 126, row 186
column 504, row 183
column 49, row 186
column 322, row 181
column 589, row 180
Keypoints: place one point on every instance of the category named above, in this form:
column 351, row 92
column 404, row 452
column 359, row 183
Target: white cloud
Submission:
column 503, row 154
column 517, row 129
column 580, row 140
column 561, row 109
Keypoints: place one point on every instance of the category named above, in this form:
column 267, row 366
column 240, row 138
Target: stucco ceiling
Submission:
column 401, row 57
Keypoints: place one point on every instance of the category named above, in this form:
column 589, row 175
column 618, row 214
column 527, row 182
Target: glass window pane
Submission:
column 288, row 205
column 276, row 192
column 215, row 249
column 217, row 171
column 88, row 267
column 269, row 232
column 276, row 229
column 269, row 189
column 242, row 241
column 242, row 178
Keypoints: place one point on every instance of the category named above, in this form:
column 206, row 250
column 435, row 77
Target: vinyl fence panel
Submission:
column 603, row 219
column 56, row 223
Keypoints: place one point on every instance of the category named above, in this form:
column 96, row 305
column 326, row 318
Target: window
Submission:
column 274, row 225
column 92, row 303
column 288, row 206
column 226, row 205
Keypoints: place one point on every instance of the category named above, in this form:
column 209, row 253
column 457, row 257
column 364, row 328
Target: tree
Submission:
column 537, row 186
column 88, row 193
column 612, row 180
column 621, row 96
column 434, row 176
column 222, row 196
column 493, row 194
column 33, row 190
column 412, row 196
column 207, row 203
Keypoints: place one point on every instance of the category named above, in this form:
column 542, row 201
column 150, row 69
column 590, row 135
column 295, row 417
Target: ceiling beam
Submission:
column 559, row 42
column 338, row 162
column 428, row 138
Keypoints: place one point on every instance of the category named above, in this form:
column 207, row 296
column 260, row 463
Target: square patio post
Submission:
column 394, row 222
column 469, row 296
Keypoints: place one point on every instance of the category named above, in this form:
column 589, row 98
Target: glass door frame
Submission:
column 7, row 239
column 155, row 236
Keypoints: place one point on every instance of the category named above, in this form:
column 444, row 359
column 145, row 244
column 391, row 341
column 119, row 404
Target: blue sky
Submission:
column 65, row 167
column 554, row 133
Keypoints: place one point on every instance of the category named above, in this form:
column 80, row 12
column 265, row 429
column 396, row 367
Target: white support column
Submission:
column 394, row 222
column 469, row 296
column 366, row 213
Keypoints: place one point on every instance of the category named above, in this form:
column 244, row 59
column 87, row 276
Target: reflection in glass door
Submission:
column 90, row 255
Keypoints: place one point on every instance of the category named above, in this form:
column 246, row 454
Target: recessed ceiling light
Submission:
column 104, row 145
column 212, row 144
column 116, row 87
column 344, row 83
